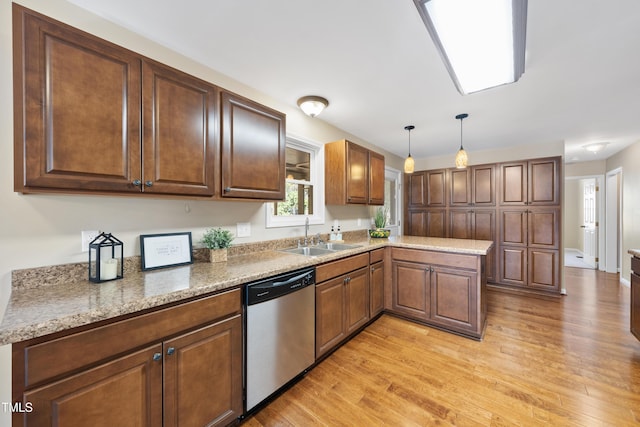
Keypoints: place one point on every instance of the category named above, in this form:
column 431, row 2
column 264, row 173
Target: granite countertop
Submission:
column 35, row 311
column 634, row 252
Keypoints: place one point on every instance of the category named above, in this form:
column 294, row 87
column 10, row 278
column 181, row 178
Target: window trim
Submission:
column 316, row 179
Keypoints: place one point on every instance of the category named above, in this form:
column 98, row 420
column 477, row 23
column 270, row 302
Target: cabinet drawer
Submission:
column 342, row 266
column 635, row 265
column 56, row 357
column 376, row 255
column 441, row 258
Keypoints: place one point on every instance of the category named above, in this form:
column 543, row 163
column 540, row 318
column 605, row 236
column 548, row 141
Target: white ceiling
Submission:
column 377, row 65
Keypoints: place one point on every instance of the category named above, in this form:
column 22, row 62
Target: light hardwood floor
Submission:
column 570, row 361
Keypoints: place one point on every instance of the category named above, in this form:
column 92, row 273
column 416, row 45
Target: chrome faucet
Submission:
column 306, row 231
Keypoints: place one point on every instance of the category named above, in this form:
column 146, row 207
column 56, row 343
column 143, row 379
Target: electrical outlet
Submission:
column 359, row 222
column 87, row 237
column 243, row 229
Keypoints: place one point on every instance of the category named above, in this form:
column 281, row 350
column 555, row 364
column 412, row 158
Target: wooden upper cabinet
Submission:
column 353, row 174
column 460, row 187
column 533, row 182
column 415, row 185
column 436, row 188
column 253, row 150
column 483, row 185
column 179, row 133
column 77, row 109
column 376, row 178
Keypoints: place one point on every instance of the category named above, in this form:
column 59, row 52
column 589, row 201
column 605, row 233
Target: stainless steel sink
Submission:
column 337, row 246
column 309, row 251
column 321, row 249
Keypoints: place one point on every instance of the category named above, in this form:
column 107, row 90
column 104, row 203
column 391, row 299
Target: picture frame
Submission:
column 165, row 250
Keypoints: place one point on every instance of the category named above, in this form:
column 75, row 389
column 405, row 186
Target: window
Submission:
column 304, row 196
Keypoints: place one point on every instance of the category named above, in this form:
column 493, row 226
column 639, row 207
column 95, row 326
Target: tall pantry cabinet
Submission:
column 514, row 204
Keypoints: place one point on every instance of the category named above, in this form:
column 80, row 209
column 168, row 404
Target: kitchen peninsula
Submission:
column 135, row 324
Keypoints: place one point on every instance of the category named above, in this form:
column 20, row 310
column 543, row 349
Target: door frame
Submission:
column 394, row 174
column 613, row 242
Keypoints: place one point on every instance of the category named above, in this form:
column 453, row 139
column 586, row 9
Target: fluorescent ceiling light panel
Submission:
column 481, row 42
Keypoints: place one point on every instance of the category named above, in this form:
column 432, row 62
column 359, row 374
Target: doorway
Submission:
column 584, row 212
column 392, row 199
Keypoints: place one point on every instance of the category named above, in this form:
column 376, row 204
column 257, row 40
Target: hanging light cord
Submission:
column 461, row 117
column 409, row 128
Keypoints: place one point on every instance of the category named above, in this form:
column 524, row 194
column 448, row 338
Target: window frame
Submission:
column 316, row 179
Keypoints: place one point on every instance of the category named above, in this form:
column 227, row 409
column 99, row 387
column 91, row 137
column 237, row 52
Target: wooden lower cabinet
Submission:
column 440, row 289
column 192, row 378
column 125, row 391
column 635, row 297
column 532, row 268
column 342, row 302
column 376, row 282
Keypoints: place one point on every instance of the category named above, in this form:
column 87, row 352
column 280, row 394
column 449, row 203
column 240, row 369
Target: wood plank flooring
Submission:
column 564, row 362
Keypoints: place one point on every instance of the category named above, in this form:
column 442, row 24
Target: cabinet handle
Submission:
column 157, row 356
column 137, row 182
column 432, row 270
column 373, row 269
column 170, row 351
column 148, row 183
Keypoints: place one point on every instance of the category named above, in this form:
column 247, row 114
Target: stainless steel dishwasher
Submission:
column 280, row 332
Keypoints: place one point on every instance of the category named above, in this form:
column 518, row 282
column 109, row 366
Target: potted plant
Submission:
column 380, row 220
column 217, row 241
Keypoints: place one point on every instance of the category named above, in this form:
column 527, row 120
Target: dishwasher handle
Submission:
column 275, row 287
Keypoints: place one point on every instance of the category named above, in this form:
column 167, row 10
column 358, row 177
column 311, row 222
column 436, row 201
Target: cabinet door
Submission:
column 124, row 392
column 203, row 375
column 411, row 289
column 436, row 223
column 357, row 299
column 544, row 227
column 436, row 184
column 460, row 187
column 416, row 223
column 461, row 224
column 513, row 180
column 513, row 265
column 544, row 188
column 416, row 190
column 376, row 178
column 635, row 303
column 513, row 227
column 544, row 269
column 483, row 185
column 358, row 174
column 454, row 301
column 77, row 101
column 179, row 136
column 484, row 228
column 376, row 288
column 330, row 315
column 253, row 150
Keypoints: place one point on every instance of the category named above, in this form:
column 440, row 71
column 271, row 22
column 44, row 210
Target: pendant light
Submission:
column 461, row 157
column 409, row 163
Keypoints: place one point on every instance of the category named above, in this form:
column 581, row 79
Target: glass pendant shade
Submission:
column 409, row 165
column 461, row 159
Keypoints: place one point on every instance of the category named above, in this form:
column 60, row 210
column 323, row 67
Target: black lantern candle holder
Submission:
column 106, row 260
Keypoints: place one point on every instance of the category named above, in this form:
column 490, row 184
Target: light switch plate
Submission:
column 243, row 229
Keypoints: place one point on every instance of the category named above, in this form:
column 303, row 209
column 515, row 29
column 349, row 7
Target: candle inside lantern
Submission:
column 108, row 269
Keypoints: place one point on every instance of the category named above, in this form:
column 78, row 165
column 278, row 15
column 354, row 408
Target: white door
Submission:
column 590, row 223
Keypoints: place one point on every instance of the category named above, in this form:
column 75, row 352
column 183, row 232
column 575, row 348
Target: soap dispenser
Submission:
column 332, row 236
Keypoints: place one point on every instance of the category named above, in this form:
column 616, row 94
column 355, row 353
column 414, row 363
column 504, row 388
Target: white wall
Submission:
column 628, row 160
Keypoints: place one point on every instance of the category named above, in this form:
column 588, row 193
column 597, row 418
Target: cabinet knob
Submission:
column 227, row 189
column 157, row 356
column 170, row 351
column 137, row 182
column 373, row 269
column 148, row 183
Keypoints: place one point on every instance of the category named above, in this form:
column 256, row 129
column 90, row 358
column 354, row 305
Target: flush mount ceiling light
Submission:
column 312, row 105
column 461, row 157
column 596, row 147
column 409, row 164
column 481, row 42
